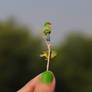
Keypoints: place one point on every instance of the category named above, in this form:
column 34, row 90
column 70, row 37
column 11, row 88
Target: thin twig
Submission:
column 48, row 57
column 42, row 35
column 48, row 46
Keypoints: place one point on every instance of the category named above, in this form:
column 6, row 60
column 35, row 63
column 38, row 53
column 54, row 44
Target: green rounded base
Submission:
column 46, row 77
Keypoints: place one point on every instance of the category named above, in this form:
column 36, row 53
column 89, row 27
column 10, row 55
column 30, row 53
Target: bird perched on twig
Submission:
column 45, row 54
column 47, row 30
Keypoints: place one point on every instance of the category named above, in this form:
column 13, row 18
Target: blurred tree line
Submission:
column 20, row 61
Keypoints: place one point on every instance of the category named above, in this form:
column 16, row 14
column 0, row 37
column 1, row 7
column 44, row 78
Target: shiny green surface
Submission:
column 46, row 77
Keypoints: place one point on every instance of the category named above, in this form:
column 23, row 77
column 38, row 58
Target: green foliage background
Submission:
column 20, row 61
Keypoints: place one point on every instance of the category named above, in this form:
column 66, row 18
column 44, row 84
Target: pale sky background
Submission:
column 65, row 15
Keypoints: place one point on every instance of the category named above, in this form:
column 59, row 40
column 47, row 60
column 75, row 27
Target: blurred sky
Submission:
column 65, row 15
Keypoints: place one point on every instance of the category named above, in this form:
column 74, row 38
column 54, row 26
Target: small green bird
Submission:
column 47, row 30
column 45, row 54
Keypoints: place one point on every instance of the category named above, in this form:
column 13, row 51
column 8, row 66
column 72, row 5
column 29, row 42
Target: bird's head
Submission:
column 47, row 24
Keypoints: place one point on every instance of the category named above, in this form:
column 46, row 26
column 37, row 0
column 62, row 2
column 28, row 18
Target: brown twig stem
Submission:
column 48, row 62
column 42, row 35
column 48, row 46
